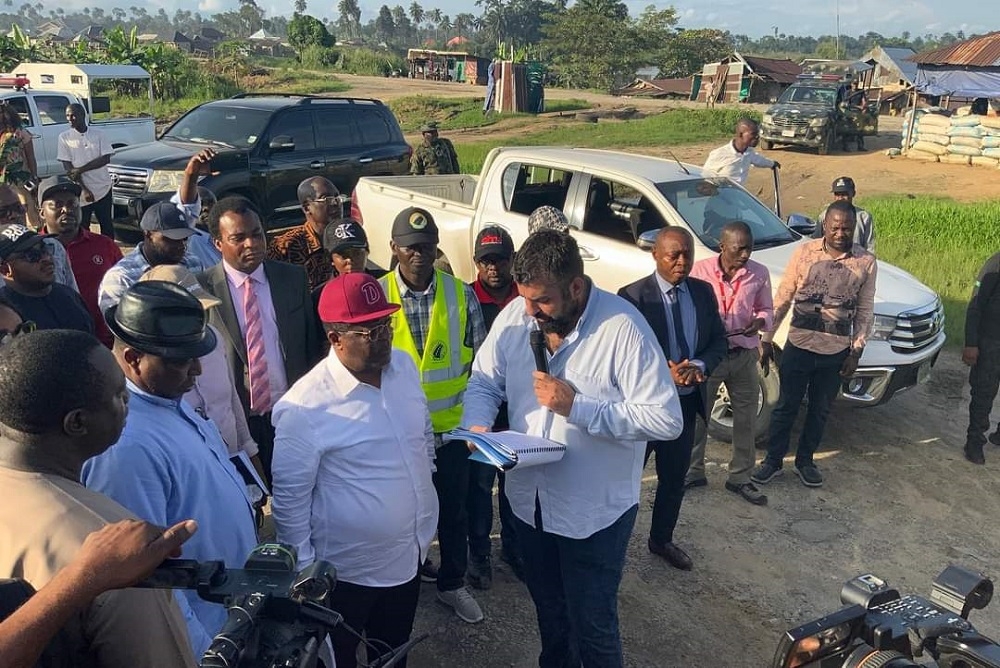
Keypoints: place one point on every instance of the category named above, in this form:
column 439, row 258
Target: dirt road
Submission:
column 899, row 501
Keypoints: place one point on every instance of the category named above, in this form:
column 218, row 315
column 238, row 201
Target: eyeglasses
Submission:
column 32, row 255
column 26, row 327
column 12, row 210
column 493, row 260
column 376, row 333
column 329, row 200
column 354, row 254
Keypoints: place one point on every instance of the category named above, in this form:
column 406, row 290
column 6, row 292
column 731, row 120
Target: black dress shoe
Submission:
column 674, row 555
column 691, row 483
column 974, row 454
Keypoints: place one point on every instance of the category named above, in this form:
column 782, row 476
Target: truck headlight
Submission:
column 767, row 119
column 165, row 180
column 817, row 122
column 882, row 328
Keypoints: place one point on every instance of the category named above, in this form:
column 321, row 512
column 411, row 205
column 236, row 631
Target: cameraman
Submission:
column 117, row 556
column 62, row 401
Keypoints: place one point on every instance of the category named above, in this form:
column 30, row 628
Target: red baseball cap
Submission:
column 353, row 298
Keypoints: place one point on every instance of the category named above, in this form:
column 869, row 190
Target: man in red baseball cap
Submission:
column 353, row 457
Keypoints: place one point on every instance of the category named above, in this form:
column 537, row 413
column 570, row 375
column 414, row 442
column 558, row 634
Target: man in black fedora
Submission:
column 169, row 461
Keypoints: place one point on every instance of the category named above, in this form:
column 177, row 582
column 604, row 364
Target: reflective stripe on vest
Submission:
column 446, row 361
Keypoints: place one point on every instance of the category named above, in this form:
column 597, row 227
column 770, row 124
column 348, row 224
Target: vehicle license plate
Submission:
column 788, row 133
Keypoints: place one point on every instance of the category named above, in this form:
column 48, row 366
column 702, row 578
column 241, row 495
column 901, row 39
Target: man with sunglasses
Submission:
column 440, row 325
column 12, row 211
column 352, row 467
column 92, row 255
column 303, row 245
column 495, row 288
column 29, row 276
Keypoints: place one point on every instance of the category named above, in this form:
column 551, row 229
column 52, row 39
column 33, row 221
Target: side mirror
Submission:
column 647, row 240
column 100, row 105
column 804, row 225
column 281, row 144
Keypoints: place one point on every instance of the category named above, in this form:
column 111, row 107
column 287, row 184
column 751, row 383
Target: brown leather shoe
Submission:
column 674, row 555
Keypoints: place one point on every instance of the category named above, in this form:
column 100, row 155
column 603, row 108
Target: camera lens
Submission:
column 868, row 657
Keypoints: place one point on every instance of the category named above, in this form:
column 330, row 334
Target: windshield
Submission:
column 708, row 204
column 809, row 95
column 231, row 127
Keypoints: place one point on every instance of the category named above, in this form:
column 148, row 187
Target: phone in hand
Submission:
column 30, row 185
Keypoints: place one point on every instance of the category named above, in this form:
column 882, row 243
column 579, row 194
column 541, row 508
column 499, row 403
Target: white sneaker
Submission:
column 461, row 601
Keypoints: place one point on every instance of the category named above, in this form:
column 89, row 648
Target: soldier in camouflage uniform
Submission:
column 982, row 353
column 435, row 155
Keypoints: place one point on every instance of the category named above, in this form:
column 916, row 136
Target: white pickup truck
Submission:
column 40, row 93
column 615, row 203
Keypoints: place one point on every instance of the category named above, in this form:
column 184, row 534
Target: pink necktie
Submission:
column 260, row 386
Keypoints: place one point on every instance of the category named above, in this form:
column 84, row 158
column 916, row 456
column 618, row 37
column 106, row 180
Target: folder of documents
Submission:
column 509, row 449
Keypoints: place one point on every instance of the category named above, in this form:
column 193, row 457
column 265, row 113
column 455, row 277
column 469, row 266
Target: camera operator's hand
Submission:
column 121, row 554
column 556, row 395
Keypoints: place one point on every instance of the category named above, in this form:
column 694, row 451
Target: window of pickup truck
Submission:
column 20, row 105
column 232, row 127
column 52, row 109
column 527, row 187
column 708, row 204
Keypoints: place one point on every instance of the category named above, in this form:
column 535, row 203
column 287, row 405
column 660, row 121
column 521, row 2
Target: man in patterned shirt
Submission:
column 829, row 287
column 303, row 245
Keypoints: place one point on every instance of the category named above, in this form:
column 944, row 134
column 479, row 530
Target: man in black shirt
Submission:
column 30, row 284
column 982, row 353
column 495, row 288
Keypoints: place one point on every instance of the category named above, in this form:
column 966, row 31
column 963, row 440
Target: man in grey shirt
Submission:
column 864, row 233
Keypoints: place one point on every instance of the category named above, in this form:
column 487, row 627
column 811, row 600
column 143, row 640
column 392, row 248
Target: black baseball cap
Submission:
column 54, row 184
column 843, row 184
column 15, row 238
column 414, row 226
column 167, row 219
column 493, row 240
column 346, row 233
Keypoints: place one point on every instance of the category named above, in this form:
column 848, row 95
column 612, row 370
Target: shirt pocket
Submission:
column 594, row 385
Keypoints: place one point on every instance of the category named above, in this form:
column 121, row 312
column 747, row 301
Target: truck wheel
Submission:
column 827, row 145
column 766, row 145
column 720, row 423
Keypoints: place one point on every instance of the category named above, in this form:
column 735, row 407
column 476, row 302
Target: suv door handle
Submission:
column 365, row 161
column 316, row 164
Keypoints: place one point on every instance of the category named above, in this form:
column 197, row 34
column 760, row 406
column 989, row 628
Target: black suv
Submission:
column 267, row 144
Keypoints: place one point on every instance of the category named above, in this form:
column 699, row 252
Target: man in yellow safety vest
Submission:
column 441, row 326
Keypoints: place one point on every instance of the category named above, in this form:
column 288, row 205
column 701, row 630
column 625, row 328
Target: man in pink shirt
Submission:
column 743, row 290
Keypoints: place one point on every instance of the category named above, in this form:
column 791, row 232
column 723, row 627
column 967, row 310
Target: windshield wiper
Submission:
column 771, row 243
column 202, row 140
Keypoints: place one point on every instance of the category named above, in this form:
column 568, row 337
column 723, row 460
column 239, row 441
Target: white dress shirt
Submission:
column 352, row 472
column 625, row 397
column 727, row 161
column 273, row 351
column 80, row 148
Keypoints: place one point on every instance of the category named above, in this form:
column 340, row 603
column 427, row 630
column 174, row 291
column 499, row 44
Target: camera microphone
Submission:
column 536, row 339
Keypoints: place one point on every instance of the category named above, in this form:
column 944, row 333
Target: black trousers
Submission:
column 672, row 461
column 102, row 210
column 262, row 432
column 452, row 484
column 984, row 381
column 384, row 614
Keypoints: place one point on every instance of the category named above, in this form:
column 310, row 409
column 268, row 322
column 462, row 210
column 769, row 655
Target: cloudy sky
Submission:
column 798, row 17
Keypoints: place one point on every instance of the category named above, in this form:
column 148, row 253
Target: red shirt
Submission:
column 490, row 307
column 91, row 255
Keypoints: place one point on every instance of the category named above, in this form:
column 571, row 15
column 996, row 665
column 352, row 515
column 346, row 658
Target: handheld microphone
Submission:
column 536, row 339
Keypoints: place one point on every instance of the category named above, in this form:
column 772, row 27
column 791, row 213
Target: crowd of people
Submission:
column 295, row 371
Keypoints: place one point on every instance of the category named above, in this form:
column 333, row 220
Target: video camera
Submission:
column 278, row 617
column 881, row 629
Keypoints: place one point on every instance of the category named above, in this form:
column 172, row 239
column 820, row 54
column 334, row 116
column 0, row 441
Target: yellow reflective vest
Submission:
column 445, row 364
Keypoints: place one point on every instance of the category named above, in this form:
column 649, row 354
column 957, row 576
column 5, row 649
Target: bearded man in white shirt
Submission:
column 733, row 160
column 352, row 467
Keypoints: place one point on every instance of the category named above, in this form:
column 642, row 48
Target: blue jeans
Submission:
column 574, row 585
column 803, row 373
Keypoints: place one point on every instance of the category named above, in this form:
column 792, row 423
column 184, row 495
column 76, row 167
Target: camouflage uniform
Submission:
column 982, row 331
column 438, row 157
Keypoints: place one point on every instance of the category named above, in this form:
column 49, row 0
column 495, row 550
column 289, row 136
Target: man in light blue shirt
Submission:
column 170, row 462
column 195, row 202
column 607, row 391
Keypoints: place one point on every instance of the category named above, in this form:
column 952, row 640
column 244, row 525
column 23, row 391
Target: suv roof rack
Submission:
column 240, row 96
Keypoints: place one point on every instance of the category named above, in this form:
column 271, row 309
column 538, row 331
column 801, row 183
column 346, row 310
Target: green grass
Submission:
column 450, row 112
column 942, row 242
column 291, row 81
column 572, row 104
column 671, row 128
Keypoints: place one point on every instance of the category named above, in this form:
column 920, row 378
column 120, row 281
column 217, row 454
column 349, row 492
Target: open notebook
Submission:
column 507, row 449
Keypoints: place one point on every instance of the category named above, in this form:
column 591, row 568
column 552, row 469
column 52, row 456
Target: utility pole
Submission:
column 838, row 29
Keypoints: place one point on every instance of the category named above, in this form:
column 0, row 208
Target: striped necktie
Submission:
column 260, row 385
column 682, row 351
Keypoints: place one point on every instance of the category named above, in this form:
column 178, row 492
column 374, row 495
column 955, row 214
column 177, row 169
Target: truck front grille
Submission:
column 917, row 330
column 128, row 182
column 790, row 122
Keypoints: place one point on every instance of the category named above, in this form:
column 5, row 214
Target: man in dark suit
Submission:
column 684, row 315
column 266, row 312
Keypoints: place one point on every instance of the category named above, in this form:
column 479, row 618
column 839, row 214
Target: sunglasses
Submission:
column 26, row 327
column 330, row 200
column 12, row 210
column 493, row 261
column 32, row 255
column 377, row 333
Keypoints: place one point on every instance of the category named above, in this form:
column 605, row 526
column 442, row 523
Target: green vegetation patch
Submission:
column 670, row 128
column 302, row 83
column 572, row 104
column 451, row 113
column 942, row 242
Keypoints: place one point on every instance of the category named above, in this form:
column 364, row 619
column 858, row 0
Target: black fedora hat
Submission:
column 161, row 319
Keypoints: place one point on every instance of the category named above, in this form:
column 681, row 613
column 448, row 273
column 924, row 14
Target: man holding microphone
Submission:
column 606, row 391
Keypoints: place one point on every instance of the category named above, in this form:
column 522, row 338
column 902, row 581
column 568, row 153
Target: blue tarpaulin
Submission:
column 958, row 81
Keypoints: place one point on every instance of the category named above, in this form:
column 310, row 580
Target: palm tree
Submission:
column 417, row 15
column 434, row 18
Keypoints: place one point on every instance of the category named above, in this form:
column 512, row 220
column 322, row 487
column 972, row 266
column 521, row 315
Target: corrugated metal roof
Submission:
column 900, row 57
column 983, row 51
column 780, row 71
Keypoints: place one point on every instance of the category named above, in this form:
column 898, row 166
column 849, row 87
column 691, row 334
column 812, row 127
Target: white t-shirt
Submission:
column 79, row 149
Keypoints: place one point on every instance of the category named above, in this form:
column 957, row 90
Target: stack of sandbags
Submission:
column 989, row 127
column 960, row 140
column 965, row 135
column 930, row 140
